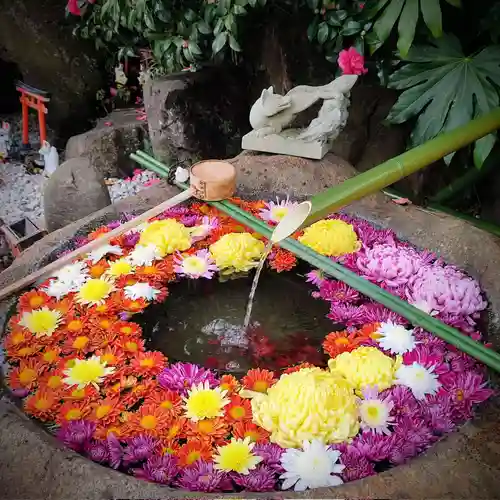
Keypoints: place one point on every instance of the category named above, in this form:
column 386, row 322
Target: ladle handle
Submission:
column 51, row 268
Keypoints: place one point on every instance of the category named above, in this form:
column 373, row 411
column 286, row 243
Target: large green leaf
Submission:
column 446, row 89
column 386, row 14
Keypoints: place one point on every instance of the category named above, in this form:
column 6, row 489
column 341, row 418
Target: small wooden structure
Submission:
column 21, row 235
column 35, row 99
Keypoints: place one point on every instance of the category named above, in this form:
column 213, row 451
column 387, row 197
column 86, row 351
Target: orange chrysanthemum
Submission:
column 157, row 273
column 50, row 356
column 126, row 280
column 98, row 269
column 17, row 338
column 238, row 410
column 283, row 260
column 258, row 380
column 242, row 430
column 127, row 329
column 98, row 233
column 65, row 306
column 33, row 300
column 148, row 363
column 176, row 429
column 296, row 368
column 104, row 430
column 168, row 401
column 133, row 306
column 212, row 430
column 52, row 380
column 107, row 307
column 72, row 410
column 170, row 447
column 336, row 343
column 150, row 420
column 20, row 352
column 132, row 346
column 229, row 383
column 81, row 344
column 113, row 356
column 194, row 449
column 106, row 411
column 87, row 394
column 370, row 330
column 137, row 392
column 103, row 322
column 42, row 405
column 25, row 376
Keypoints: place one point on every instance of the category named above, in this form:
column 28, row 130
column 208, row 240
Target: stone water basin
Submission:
column 464, row 465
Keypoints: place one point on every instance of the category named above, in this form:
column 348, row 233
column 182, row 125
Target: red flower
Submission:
column 73, row 8
column 283, row 260
column 258, row 380
column 336, row 343
column 351, row 62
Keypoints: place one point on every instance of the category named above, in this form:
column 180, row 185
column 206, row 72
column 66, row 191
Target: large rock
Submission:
column 35, row 36
column 197, row 115
column 109, row 144
column 73, row 191
column 464, row 465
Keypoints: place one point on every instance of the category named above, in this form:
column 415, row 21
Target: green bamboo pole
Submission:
column 391, row 171
column 414, row 315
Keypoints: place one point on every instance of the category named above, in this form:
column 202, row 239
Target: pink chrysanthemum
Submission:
column 377, row 313
column 436, row 346
column 199, row 265
column 262, row 478
column 275, row 211
column 97, row 451
column 315, row 277
column 438, row 410
column 389, row 264
column 357, row 465
column 337, row 292
column 139, row 448
column 159, row 469
column 76, row 433
column 202, row 476
column 115, row 451
column 375, row 447
column 346, row 314
column 203, row 229
column 445, row 289
column 182, row 376
column 405, row 403
column 423, row 356
column 130, row 240
column 271, row 455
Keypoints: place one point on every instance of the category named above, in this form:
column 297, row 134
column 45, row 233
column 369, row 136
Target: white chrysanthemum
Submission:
column 75, row 274
column 97, row 254
column 313, row 467
column 419, row 379
column 141, row 291
column 59, row 289
column 395, row 338
column 144, row 255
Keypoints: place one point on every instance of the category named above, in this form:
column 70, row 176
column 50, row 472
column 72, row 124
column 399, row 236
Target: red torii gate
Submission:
column 35, row 99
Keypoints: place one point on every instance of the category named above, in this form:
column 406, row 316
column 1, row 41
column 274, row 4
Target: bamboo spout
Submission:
column 395, row 169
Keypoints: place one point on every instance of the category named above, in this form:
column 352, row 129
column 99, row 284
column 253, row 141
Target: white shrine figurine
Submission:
column 50, row 158
column 272, row 112
column 4, row 140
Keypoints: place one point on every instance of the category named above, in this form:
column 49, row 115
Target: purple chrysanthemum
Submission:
column 131, row 239
column 76, row 433
column 464, row 323
column 373, row 446
column 115, row 451
column 337, row 292
column 435, row 345
column 346, row 314
column 377, row 313
column 159, row 469
column 460, row 361
column 357, row 466
column 174, row 212
column 97, row 451
column 438, row 409
column 445, row 289
column 315, row 277
column 465, row 390
column 189, row 220
column 139, row 448
column 424, row 356
column 389, row 264
column 271, row 455
column 202, row 476
column 405, row 403
column 262, row 478
column 113, row 224
column 182, row 376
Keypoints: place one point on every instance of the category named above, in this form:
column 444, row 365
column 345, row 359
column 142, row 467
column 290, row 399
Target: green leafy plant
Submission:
column 445, row 89
column 385, row 14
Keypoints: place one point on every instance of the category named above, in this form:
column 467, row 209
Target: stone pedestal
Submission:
column 285, row 143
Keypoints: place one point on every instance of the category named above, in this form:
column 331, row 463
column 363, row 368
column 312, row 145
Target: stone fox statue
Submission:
column 272, row 112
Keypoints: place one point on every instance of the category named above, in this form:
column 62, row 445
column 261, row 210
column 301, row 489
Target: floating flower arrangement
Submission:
column 387, row 393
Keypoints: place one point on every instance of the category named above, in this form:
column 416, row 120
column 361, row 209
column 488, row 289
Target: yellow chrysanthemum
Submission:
column 167, row 235
column 95, row 291
column 366, row 366
column 236, row 456
column 42, row 322
column 237, row 252
column 119, row 268
column 306, row 405
column 331, row 237
column 203, row 402
column 87, row 371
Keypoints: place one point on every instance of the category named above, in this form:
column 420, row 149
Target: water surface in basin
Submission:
column 201, row 322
